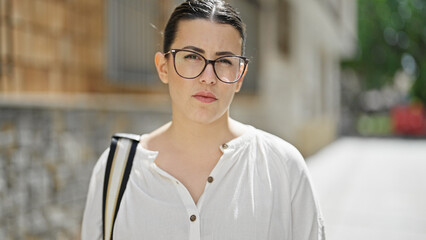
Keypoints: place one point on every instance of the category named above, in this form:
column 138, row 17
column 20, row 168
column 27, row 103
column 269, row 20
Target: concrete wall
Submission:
column 46, row 159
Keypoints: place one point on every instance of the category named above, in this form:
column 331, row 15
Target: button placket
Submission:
column 226, row 150
column 192, row 211
column 194, row 225
column 188, row 202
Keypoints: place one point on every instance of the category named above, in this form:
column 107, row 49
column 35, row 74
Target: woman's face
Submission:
column 204, row 99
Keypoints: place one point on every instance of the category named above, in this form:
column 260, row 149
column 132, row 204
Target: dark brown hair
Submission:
column 217, row 11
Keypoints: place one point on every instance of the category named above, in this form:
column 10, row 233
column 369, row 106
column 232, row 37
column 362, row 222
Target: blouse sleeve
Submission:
column 92, row 218
column 307, row 221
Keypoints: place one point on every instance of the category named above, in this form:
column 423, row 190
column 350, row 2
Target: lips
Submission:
column 205, row 97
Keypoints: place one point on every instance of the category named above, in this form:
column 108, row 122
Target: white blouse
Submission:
column 260, row 189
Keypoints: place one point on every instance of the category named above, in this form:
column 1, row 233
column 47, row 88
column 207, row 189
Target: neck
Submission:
column 202, row 135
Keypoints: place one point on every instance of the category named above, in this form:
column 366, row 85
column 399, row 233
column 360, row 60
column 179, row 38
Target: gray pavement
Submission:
column 371, row 188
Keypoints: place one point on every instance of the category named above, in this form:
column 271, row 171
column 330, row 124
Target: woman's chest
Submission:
column 232, row 207
column 193, row 172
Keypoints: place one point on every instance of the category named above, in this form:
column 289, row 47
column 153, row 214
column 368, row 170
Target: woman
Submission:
column 205, row 175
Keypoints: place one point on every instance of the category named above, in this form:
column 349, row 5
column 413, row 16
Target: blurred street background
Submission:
column 372, row 188
column 342, row 80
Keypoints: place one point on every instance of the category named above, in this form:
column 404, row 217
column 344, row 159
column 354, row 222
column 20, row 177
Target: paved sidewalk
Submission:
column 372, row 189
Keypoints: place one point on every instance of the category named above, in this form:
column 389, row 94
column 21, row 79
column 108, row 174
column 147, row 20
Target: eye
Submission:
column 225, row 61
column 193, row 57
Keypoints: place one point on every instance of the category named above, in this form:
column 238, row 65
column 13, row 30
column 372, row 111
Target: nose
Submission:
column 208, row 76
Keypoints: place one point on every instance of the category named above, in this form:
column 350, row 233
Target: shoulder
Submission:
column 284, row 161
column 123, row 141
column 279, row 152
column 120, row 143
column 276, row 145
column 99, row 168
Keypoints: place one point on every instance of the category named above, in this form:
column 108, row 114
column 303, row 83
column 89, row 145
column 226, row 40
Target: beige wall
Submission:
column 299, row 98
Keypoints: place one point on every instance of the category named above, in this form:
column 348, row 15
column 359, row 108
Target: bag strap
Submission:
column 117, row 171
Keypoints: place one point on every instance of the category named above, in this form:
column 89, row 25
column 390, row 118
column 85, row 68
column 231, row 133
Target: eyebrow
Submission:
column 222, row 53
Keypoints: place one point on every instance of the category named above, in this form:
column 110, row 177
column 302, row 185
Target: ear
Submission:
column 162, row 68
column 240, row 82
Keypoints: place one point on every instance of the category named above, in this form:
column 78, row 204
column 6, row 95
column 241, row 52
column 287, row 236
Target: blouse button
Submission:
column 193, row 218
column 210, row 179
column 224, row 146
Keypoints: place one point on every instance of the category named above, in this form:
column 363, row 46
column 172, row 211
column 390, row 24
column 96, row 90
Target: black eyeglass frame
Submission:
column 207, row 61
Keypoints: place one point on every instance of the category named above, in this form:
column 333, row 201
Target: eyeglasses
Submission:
column 189, row 64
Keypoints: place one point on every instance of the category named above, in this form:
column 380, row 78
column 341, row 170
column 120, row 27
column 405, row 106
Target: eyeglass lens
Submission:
column 190, row 65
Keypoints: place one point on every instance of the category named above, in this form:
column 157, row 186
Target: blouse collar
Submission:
column 238, row 142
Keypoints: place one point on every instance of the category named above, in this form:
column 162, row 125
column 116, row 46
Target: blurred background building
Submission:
column 73, row 72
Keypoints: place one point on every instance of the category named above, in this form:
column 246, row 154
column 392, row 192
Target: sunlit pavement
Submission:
column 372, row 189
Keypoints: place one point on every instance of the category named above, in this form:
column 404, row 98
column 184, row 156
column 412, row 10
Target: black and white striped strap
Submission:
column 117, row 171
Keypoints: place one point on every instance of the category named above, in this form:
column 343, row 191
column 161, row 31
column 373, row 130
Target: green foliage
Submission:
column 392, row 37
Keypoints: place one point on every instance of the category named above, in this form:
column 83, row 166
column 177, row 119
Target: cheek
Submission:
column 178, row 88
column 229, row 93
column 174, row 88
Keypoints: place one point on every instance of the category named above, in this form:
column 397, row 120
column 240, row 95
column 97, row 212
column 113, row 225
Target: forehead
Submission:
column 207, row 35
